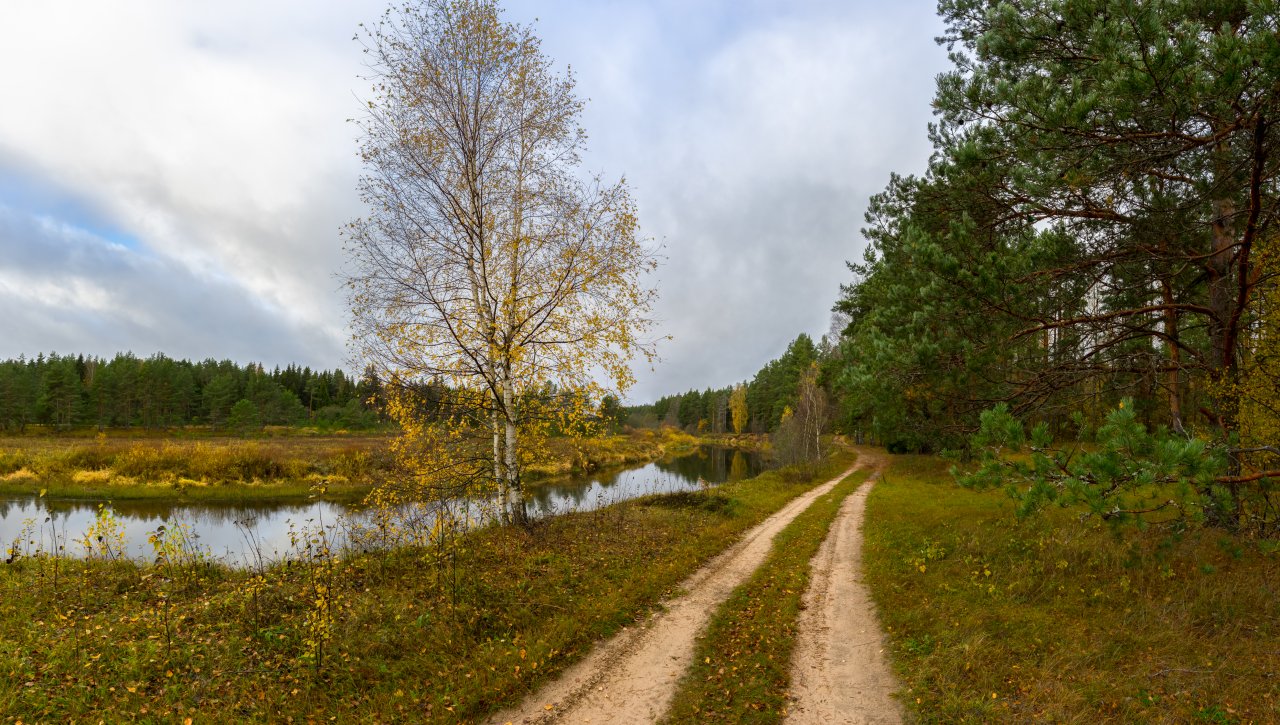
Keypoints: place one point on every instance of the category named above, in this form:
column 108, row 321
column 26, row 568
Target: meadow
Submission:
column 120, row 467
column 1061, row 618
column 988, row 617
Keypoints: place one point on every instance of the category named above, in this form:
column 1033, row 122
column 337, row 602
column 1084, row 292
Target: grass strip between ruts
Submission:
column 741, row 671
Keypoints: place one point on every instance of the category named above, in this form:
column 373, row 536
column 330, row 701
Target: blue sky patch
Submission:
column 38, row 198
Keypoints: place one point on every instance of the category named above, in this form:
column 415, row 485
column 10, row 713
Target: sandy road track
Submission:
column 631, row 678
column 839, row 670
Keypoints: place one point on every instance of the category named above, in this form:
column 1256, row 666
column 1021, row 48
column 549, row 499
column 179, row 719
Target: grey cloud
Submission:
column 64, row 289
column 214, row 135
column 757, row 178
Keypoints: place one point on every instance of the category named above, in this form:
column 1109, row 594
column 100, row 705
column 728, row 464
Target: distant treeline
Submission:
column 768, row 395
column 65, row 391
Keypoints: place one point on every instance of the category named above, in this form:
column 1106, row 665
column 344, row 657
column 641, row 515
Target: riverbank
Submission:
column 755, row 442
column 427, row 634
column 571, row 456
column 340, row 468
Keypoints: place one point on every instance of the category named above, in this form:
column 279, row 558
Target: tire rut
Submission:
column 632, row 677
column 839, row 671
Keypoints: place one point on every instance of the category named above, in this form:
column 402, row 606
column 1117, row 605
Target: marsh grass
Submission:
column 567, row 456
column 205, row 468
column 421, row 634
column 344, row 468
column 1053, row 618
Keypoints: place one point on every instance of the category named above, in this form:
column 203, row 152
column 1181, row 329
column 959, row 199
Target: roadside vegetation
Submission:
column 1043, row 619
column 741, row 667
column 440, row 633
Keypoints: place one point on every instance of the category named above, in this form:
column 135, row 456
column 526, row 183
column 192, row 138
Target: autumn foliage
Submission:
column 486, row 261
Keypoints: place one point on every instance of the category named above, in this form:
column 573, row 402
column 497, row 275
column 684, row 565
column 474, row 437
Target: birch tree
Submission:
column 486, row 261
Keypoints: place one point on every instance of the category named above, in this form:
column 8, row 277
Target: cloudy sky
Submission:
column 173, row 176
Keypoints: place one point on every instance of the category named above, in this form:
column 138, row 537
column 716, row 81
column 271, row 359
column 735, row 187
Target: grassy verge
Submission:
column 420, row 635
column 741, row 671
column 1051, row 620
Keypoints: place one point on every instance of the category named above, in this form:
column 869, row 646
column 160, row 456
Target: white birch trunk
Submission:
column 512, row 460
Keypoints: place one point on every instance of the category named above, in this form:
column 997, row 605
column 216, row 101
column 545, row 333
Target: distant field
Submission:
column 293, row 462
column 130, row 466
column 189, row 432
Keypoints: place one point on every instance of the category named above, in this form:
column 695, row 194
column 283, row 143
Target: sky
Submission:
column 174, row 176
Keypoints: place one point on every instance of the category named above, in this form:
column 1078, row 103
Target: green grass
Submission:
column 741, row 670
column 412, row 635
column 1051, row 619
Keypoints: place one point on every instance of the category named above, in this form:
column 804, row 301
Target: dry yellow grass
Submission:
column 20, row 476
column 94, row 478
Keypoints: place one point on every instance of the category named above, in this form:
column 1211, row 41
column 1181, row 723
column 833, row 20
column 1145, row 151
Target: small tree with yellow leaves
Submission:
column 485, row 261
column 738, row 407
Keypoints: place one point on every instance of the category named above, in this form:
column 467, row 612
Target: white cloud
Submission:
column 754, row 163
column 217, row 138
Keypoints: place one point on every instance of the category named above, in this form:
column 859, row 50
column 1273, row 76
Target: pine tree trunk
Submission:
column 1175, row 355
column 1222, row 339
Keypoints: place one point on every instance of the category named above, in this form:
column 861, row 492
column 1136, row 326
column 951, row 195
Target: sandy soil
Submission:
column 839, row 670
column 631, row 678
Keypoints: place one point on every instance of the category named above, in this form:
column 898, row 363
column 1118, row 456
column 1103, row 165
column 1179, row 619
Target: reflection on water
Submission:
column 51, row 525
column 233, row 531
column 710, row 464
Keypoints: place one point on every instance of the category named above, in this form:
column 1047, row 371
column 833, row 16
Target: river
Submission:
column 238, row 533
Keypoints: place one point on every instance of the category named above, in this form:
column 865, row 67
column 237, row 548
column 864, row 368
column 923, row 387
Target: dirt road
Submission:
column 632, row 677
column 839, row 670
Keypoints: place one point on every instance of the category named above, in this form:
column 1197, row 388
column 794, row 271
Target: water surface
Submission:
column 237, row 533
